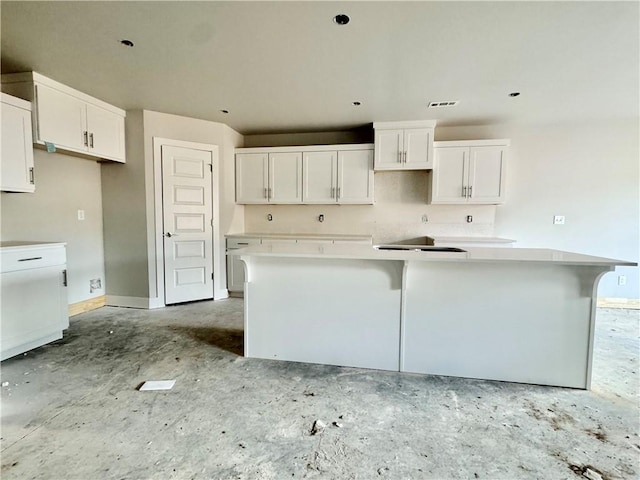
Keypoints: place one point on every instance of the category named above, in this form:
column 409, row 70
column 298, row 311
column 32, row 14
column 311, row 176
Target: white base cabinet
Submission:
column 70, row 120
column 469, row 172
column 34, row 296
column 16, row 162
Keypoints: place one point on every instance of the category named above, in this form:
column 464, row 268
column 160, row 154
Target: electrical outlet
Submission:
column 80, row 214
column 558, row 220
column 95, row 284
column 469, row 218
column 622, row 280
column 425, row 219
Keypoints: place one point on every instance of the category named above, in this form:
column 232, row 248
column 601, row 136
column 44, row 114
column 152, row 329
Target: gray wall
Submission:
column 64, row 185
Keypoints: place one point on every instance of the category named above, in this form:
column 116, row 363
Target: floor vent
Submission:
column 451, row 103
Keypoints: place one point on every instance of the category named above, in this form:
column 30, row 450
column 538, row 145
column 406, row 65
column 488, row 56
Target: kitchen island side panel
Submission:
column 329, row 311
column 507, row 322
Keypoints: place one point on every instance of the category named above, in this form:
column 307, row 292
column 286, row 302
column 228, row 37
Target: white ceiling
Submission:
column 287, row 67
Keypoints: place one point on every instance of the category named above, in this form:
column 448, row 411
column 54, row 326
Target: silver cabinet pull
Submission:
column 32, row 179
column 269, row 193
column 464, row 192
column 399, row 156
column 265, row 194
column 333, row 192
column 86, row 138
column 91, row 140
column 64, row 278
column 169, row 234
column 338, row 194
column 470, row 190
column 404, row 155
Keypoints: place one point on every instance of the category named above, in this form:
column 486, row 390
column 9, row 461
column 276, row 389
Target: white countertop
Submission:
column 10, row 245
column 475, row 254
column 438, row 238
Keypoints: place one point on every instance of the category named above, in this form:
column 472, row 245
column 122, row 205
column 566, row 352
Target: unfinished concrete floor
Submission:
column 71, row 410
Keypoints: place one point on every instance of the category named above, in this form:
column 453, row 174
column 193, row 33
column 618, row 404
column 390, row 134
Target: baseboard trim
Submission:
column 86, row 305
column 131, row 302
column 632, row 303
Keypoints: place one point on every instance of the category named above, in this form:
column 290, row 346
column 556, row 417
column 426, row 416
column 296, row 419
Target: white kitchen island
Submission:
column 520, row 315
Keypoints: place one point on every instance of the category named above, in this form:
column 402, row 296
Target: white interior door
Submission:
column 187, row 222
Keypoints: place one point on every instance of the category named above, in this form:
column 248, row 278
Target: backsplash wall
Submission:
column 400, row 204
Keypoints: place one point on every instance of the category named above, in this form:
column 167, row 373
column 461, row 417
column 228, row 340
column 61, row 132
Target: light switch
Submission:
column 80, row 214
column 558, row 220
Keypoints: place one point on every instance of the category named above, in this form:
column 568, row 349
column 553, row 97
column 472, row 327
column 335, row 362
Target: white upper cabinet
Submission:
column 285, row 177
column 311, row 175
column 16, row 162
column 344, row 176
column 469, row 172
column 403, row 145
column 269, row 177
column 70, row 120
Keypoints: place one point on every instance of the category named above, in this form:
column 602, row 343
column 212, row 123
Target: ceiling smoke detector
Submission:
column 449, row 103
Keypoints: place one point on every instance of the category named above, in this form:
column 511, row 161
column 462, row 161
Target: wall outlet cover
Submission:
column 558, row 220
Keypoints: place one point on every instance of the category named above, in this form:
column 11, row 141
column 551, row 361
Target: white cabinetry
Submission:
column 469, row 172
column 344, row 176
column 70, row 120
column 34, row 296
column 269, row 177
column 403, row 145
column 235, row 267
column 16, row 162
column 311, row 174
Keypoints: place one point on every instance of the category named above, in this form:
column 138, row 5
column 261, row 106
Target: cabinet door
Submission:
column 106, row 133
column 450, row 172
column 61, row 119
column 319, row 177
column 252, row 176
column 235, row 273
column 285, row 177
column 355, row 176
column 418, row 148
column 486, row 174
column 16, row 166
column 388, row 149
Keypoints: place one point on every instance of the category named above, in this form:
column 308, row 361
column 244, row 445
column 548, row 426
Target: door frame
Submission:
column 156, row 255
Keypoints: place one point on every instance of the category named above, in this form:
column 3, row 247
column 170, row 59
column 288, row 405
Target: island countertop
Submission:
column 470, row 254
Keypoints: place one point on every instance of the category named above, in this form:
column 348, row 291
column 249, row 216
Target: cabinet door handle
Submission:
column 399, row 156
column 269, row 193
column 405, row 157
column 91, row 140
column 464, row 192
column 64, row 278
column 338, row 194
column 470, row 190
column 32, row 180
column 86, row 138
column 333, row 192
column 265, row 194
column 29, row 259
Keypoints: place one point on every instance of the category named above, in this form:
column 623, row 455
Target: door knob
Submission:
column 169, row 234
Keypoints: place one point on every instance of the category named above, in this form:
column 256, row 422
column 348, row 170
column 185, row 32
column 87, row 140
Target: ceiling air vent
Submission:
column 450, row 103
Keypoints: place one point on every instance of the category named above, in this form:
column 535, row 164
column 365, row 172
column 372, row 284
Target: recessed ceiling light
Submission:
column 224, row 110
column 356, row 104
column 514, row 94
column 341, row 19
column 126, row 43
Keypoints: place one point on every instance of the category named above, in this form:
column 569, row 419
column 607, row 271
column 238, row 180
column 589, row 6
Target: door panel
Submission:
column 389, row 144
column 486, row 174
column 252, row 178
column 61, row 119
column 106, row 130
column 450, row 175
column 187, row 215
column 319, row 177
column 285, row 175
column 355, row 176
column 417, row 144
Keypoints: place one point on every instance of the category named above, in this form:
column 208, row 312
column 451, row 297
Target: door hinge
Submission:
column 212, row 222
column 212, row 276
column 211, row 167
column 64, row 278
